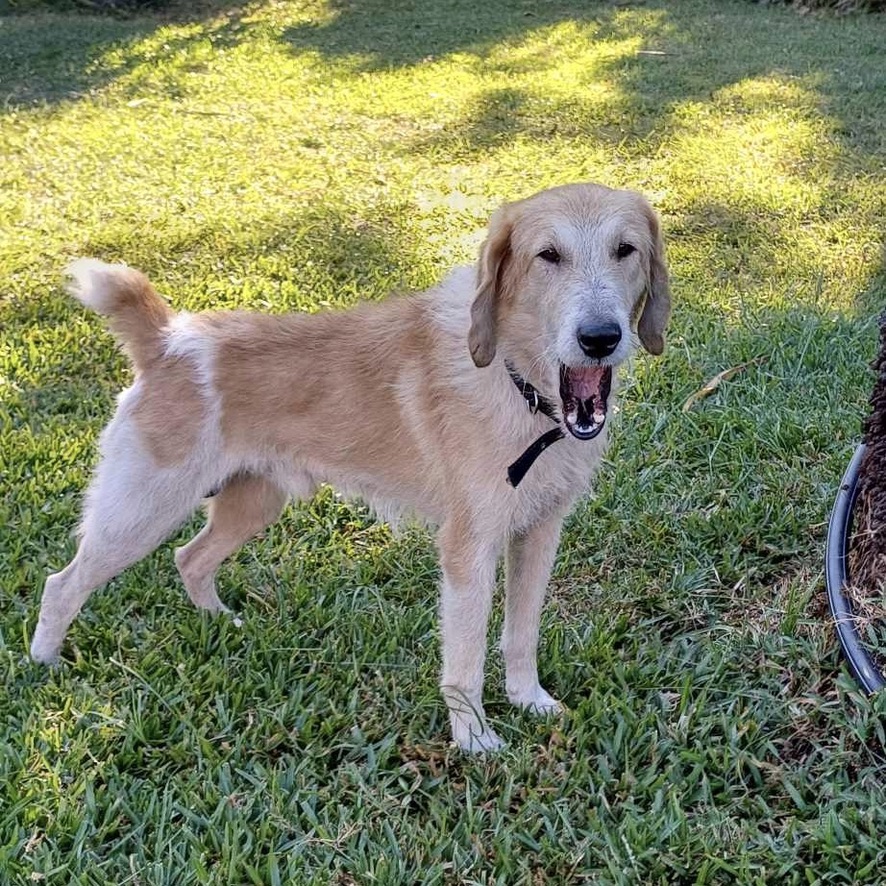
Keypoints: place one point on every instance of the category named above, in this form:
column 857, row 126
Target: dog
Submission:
column 479, row 406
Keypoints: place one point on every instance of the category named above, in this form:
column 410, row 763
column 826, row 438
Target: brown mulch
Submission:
column 867, row 545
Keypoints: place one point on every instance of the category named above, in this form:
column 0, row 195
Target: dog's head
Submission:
column 564, row 280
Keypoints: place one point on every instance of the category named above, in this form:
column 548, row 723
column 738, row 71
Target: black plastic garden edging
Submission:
column 861, row 664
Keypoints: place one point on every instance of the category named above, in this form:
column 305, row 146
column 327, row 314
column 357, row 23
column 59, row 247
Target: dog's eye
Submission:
column 550, row 255
column 624, row 250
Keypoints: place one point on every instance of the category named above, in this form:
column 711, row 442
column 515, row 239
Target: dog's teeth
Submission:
column 572, row 417
column 599, row 418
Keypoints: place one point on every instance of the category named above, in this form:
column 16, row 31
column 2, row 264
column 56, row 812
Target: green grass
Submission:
column 292, row 156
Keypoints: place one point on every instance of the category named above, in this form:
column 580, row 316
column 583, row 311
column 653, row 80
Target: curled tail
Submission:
column 136, row 314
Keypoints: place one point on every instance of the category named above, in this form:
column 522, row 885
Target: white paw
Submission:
column 536, row 701
column 45, row 647
column 470, row 731
column 473, row 735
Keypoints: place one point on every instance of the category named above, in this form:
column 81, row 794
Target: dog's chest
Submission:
column 560, row 476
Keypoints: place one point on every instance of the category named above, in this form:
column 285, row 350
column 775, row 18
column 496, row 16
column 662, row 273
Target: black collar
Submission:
column 537, row 403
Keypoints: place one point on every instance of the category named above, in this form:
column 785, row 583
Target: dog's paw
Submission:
column 45, row 648
column 475, row 738
column 470, row 731
column 536, row 701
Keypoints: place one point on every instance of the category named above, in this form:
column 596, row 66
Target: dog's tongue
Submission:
column 584, row 391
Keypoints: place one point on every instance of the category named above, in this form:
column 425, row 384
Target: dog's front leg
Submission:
column 530, row 557
column 468, row 562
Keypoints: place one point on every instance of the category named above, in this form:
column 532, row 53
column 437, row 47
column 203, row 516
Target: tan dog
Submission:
column 418, row 405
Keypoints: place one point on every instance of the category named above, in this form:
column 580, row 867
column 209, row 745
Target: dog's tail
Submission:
column 136, row 314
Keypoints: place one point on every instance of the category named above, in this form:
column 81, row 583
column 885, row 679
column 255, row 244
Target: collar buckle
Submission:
column 534, row 400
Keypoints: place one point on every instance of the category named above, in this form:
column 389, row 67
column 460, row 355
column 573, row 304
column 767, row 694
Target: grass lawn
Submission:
column 295, row 156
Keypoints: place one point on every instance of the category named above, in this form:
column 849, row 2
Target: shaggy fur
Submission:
column 407, row 404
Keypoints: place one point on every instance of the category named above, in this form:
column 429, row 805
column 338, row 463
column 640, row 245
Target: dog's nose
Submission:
column 598, row 340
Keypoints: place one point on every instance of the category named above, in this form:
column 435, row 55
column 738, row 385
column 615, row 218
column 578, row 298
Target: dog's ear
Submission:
column 657, row 307
column 494, row 256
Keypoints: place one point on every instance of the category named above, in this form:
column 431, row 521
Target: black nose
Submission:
column 598, row 340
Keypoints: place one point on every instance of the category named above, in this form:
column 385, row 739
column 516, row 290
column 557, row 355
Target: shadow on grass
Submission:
column 49, row 58
column 871, row 301
column 687, row 53
column 387, row 35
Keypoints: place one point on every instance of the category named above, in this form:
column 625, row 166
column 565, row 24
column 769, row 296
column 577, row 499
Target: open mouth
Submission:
column 583, row 392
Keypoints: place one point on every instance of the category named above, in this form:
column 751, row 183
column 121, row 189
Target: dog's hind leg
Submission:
column 244, row 506
column 130, row 509
column 528, row 563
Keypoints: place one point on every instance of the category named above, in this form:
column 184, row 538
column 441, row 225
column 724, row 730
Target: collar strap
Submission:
column 517, row 470
column 537, row 403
